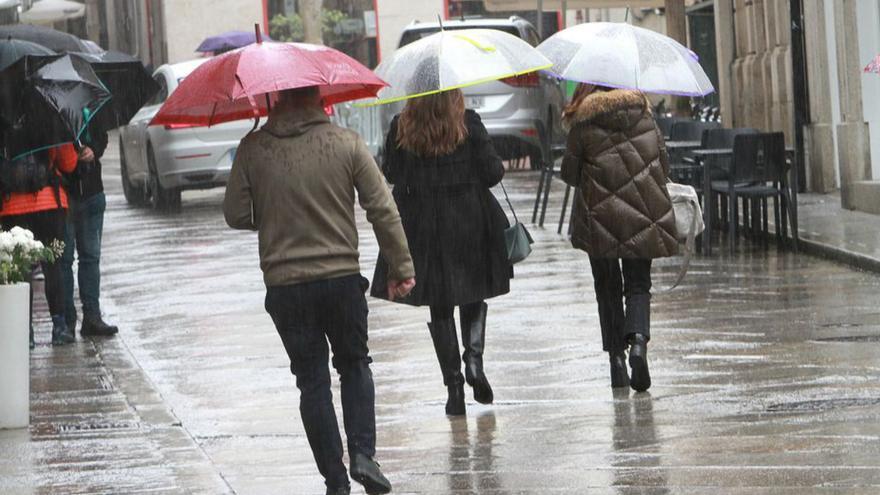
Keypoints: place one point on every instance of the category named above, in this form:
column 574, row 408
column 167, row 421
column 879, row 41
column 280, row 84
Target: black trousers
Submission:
column 467, row 311
column 611, row 290
column 307, row 316
column 47, row 226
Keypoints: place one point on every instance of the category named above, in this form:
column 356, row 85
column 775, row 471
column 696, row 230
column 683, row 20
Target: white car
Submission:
column 158, row 162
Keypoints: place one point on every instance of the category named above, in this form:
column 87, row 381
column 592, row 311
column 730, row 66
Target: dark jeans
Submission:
column 307, row 315
column 47, row 226
column 611, row 290
column 85, row 227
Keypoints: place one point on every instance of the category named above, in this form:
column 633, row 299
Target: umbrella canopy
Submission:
column 229, row 87
column 11, row 50
column 229, row 40
column 50, row 38
column 455, row 59
column 874, row 66
column 127, row 80
column 624, row 56
column 47, row 101
column 51, row 11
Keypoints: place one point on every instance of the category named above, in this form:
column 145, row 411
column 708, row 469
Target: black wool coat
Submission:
column 453, row 223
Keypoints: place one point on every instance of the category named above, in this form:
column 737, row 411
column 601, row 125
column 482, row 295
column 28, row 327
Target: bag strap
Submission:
column 509, row 204
column 689, row 248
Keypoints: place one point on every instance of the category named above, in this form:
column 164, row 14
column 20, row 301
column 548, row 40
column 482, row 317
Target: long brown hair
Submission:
column 432, row 125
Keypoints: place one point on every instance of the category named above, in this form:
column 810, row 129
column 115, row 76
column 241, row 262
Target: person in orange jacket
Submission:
column 44, row 213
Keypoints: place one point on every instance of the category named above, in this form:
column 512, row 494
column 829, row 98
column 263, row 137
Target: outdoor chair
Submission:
column 758, row 171
column 665, row 124
column 719, row 165
column 690, row 130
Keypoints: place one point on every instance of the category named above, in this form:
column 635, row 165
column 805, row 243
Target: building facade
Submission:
column 756, row 86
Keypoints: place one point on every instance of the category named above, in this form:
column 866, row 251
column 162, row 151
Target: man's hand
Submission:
column 86, row 154
column 400, row 288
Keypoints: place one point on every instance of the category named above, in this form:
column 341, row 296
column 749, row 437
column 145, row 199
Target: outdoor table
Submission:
column 699, row 155
column 683, row 144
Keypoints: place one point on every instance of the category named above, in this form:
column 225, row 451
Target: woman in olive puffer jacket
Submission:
column 622, row 215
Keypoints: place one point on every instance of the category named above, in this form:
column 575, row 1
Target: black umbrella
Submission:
column 50, row 38
column 12, row 49
column 48, row 100
column 127, row 80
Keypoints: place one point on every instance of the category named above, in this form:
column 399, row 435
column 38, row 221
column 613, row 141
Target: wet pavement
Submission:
column 765, row 371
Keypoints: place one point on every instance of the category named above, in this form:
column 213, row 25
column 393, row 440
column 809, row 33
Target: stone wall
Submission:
column 761, row 68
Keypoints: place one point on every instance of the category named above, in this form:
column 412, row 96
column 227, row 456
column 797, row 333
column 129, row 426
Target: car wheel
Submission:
column 161, row 199
column 134, row 195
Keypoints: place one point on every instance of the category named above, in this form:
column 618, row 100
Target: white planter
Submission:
column 14, row 356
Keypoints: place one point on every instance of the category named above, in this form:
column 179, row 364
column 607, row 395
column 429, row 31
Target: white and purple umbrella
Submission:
column 620, row 55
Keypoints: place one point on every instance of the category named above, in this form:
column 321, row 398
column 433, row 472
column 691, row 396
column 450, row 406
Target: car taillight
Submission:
column 530, row 80
column 174, row 127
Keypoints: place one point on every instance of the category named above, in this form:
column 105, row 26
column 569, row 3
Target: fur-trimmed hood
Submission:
column 624, row 106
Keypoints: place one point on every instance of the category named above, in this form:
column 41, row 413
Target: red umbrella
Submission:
column 238, row 85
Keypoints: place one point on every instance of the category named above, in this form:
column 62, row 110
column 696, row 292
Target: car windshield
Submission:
column 416, row 34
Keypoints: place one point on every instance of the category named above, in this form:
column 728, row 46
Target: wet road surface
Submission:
column 765, row 371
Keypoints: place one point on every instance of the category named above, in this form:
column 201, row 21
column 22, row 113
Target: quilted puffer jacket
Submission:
column 617, row 158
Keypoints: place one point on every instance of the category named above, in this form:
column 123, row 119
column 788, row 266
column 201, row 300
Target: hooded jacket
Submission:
column 616, row 156
column 294, row 181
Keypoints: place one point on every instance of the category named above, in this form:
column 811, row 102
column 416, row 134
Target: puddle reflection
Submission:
column 634, row 439
column 471, row 462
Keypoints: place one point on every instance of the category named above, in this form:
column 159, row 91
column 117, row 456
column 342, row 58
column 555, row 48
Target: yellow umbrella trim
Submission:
column 450, row 88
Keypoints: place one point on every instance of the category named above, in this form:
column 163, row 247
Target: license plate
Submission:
column 474, row 102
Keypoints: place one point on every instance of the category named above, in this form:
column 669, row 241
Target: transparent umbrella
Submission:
column 455, row 59
column 624, row 56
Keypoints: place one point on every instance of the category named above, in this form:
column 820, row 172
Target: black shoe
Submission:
column 366, row 472
column 61, row 333
column 93, row 325
column 473, row 335
column 446, row 346
column 345, row 490
column 638, row 361
column 619, row 376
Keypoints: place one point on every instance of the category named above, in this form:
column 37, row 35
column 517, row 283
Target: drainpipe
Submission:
column 801, row 104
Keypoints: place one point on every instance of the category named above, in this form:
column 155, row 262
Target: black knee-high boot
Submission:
column 446, row 346
column 473, row 335
column 638, row 332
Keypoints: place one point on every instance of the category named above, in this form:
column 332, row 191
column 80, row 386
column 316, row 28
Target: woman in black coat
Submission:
column 441, row 162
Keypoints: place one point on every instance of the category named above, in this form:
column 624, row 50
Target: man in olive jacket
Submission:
column 294, row 182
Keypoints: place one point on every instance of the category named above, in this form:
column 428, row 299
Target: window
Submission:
column 162, row 94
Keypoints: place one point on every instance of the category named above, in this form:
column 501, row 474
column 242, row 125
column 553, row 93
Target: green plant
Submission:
column 290, row 27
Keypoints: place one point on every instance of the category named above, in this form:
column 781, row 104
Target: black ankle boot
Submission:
column 61, row 334
column 638, row 361
column 93, row 324
column 619, row 376
column 446, row 346
column 366, row 472
column 473, row 335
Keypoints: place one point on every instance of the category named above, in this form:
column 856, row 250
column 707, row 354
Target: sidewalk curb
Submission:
column 840, row 255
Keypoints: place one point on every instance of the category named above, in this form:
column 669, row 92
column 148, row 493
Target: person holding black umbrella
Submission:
column 83, row 233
